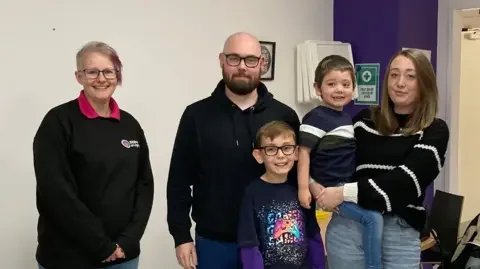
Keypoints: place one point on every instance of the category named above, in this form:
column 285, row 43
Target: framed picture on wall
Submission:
column 268, row 52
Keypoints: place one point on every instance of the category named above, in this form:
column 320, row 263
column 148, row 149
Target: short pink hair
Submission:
column 103, row 48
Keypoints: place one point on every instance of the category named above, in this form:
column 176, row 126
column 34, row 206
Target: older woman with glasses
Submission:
column 94, row 179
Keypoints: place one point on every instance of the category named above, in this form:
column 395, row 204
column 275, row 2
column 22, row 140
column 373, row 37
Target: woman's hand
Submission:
column 118, row 254
column 330, row 198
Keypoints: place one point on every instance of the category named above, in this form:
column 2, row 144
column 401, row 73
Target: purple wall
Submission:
column 370, row 27
column 418, row 29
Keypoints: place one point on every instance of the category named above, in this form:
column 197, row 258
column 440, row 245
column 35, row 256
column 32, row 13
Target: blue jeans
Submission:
column 372, row 223
column 132, row 264
column 213, row 254
column 400, row 244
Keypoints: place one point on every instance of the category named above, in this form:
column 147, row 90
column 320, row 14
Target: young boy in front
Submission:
column 273, row 231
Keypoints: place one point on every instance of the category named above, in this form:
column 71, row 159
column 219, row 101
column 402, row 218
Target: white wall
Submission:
column 469, row 129
column 450, row 24
column 170, row 56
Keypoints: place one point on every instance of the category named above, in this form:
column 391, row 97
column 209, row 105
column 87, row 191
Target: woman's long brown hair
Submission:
column 427, row 104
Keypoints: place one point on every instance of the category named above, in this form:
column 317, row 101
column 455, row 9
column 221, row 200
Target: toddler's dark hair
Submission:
column 333, row 62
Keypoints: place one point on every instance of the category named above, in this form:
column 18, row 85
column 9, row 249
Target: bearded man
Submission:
column 212, row 154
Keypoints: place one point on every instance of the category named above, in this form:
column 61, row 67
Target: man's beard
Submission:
column 241, row 87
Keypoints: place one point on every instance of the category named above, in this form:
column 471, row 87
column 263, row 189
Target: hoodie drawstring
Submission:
column 250, row 126
column 235, row 126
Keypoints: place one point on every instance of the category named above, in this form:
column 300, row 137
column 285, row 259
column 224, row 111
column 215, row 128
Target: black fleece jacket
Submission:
column 213, row 154
column 95, row 188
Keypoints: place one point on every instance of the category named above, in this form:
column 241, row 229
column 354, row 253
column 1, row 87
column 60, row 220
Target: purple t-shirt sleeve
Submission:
column 316, row 252
column 247, row 234
column 251, row 258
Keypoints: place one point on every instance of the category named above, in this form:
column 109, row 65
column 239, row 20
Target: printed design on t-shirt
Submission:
column 284, row 234
column 286, row 228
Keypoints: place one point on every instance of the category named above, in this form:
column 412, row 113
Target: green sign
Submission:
column 367, row 84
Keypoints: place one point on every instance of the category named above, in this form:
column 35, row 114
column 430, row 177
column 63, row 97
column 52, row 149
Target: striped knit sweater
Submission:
column 393, row 172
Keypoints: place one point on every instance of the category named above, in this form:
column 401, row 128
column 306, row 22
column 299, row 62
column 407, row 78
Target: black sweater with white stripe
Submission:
column 394, row 171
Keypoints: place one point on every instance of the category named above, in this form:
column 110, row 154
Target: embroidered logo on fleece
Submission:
column 130, row 144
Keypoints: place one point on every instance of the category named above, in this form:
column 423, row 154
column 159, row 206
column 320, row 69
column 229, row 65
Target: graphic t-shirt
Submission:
column 272, row 219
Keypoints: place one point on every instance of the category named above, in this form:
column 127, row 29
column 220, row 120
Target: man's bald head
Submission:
column 242, row 43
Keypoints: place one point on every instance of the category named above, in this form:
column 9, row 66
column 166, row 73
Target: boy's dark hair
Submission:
column 272, row 130
column 333, row 62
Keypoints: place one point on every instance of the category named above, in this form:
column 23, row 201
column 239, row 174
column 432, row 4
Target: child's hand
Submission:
column 305, row 197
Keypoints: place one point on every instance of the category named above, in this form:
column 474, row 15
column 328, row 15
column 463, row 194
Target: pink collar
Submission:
column 88, row 111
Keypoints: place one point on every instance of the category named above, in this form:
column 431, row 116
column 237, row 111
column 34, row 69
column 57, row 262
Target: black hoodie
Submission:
column 213, row 153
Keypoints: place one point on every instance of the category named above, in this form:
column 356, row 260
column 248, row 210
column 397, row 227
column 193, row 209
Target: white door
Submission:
column 469, row 127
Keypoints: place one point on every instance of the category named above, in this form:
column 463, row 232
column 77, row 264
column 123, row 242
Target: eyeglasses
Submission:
column 235, row 60
column 94, row 73
column 273, row 150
